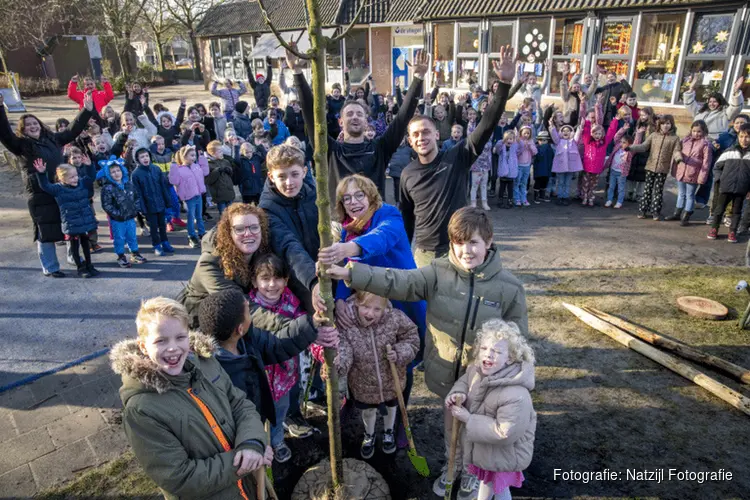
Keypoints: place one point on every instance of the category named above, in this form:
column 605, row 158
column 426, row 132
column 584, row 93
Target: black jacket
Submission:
column 120, row 201
column 261, row 91
column 134, row 105
column 152, row 187
column 732, row 169
column 172, row 132
column 249, row 175
column 45, row 214
column 295, row 123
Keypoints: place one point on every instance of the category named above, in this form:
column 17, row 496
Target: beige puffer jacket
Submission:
column 499, row 435
column 664, row 150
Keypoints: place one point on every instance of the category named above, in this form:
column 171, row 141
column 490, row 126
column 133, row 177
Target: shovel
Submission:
column 419, row 463
column 451, row 474
column 264, row 482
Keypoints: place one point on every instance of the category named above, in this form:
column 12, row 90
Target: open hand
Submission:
column 600, row 98
column 104, row 80
column 88, row 101
column 294, row 62
column 143, row 99
column 738, row 83
column 565, row 68
column 421, row 64
column 248, row 461
column 74, row 78
column 505, row 67
column 40, row 166
column 694, row 80
column 339, row 273
column 344, row 314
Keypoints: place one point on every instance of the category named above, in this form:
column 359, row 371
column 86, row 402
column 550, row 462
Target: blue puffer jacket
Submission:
column 293, row 230
column 152, row 187
column 282, row 133
column 75, row 209
column 250, row 175
column 543, row 160
column 119, row 200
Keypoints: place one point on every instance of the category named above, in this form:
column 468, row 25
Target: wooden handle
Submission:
column 401, row 404
column 455, row 432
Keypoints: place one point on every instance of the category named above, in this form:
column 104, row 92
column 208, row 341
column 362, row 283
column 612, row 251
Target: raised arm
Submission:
column 79, row 124
column 74, row 94
column 736, row 99
column 249, row 72
column 304, row 93
column 214, row 90
column 269, row 70
column 7, row 137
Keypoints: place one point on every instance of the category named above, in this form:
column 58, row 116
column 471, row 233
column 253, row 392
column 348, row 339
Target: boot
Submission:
column 473, row 203
column 685, row 220
column 677, row 215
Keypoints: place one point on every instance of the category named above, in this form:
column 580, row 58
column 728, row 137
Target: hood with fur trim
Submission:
column 140, row 374
column 165, row 113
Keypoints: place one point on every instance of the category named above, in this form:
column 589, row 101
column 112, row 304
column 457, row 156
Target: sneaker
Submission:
column 298, row 427
column 96, row 248
column 618, row 205
column 122, row 261
column 583, row 203
column 83, row 272
column 469, row 487
column 367, row 450
column 712, row 234
column 590, row 202
column 145, row 231
column 658, row 217
column 138, row 258
column 167, row 247
column 700, row 206
column 176, row 221
column 170, row 227
column 93, row 271
column 158, row 250
column 547, row 198
column 641, row 215
column 282, row 453
column 389, row 442
column 438, row 487
column 732, row 237
column 608, row 204
column 526, row 204
column 485, row 206
column 56, row 274
column 537, row 200
column 193, row 242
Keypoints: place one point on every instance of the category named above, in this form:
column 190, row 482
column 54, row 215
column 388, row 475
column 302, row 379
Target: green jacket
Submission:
column 458, row 303
column 171, row 438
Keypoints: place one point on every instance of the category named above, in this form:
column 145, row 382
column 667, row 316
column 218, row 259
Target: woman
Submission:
column 31, row 141
column 373, row 233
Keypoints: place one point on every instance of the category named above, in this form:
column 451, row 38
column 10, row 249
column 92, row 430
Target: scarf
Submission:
column 356, row 227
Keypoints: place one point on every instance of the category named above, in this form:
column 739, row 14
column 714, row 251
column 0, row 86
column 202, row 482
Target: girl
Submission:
column 250, row 176
column 618, row 164
column 270, row 291
column 645, row 125
column 187, row 176
column 192, row 431
column 480, row 171
column 567, row 159
column 526, row 152
column 129, row 127
column 666, row 145
column 594, row 153
column 507, row 168
column 379, row 336
column 691, row 170
column 194, row 131
column 78, row 220
column 492, row 399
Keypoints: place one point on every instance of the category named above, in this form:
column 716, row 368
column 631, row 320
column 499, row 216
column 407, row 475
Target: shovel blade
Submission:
column 419, row 463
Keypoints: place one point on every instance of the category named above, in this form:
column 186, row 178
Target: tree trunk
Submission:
column 196, row 56
column 320, row 156
column 159, row 53
column 5, row 65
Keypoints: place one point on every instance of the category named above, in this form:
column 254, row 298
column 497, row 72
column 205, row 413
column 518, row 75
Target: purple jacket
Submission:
column 507, row 163
column 526, row 152
column 484, row 160
column 188, row 179
column 567, row 157
column 229, row 97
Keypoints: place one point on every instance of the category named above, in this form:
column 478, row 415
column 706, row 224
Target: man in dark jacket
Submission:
column 261, row 84
column 612, row 91
column 732, row 171
column 153, row 190
column 293, row 119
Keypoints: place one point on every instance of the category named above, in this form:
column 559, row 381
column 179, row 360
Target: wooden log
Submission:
column 713, row 386
column 684, row 350
column 701, row 307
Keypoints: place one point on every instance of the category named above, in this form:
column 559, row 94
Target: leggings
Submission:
column 653, row 192
column 541, row 183
column 80, row 241
column 506, row 188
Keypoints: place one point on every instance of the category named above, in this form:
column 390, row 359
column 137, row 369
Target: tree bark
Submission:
column 159, row 53
column 197, row 74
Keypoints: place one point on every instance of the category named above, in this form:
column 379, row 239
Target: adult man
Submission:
column 356, row 155
column 433, row 186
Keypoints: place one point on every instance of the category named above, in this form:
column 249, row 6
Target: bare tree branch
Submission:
column 288, row 46
column 350, row 26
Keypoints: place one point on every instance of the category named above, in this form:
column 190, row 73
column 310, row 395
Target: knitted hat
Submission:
column 241, row 107
column 543, row 136
column 258, row 76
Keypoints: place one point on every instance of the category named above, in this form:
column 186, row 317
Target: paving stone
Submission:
column 16, row 399
column 98, row 393
column 7, row 429
column 53, row 384
column 24, row 449
column 76, row 426
column 18, row 483
column 63, row 464
column 94, row 368
column 40, row 415
column 108, row 444
column 113, row 416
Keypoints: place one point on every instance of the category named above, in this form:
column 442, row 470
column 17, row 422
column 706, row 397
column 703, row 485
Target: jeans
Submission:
column 173, row 210
column 195, row 216
column 521, row 182
column 222, row 207
column 277, row 431
column 563, row 184
column 616, row 180
column 124, row 232
column 686, row 195
column 48, row 257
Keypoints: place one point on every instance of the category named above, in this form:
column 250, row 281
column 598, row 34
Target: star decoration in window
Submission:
column 698, row 47
column 722, row 36
column 641, row 66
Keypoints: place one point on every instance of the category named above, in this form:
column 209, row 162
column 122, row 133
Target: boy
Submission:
column 250, row 174
column 261, row 84
column 192, row 431
column 457, row 133
column 161, row 156
column 289, row 202
column 732, row 171
column 545, row 155
column 471, row 285
column 120, row 200
column 80, row 161
column 100, row 149
column 219, row 178
column 153, row 190
column 220, row 121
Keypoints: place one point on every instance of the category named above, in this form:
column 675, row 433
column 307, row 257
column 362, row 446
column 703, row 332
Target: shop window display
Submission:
column 442, row 51
column 657, row 55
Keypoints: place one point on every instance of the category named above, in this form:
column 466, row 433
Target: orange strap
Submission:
column 217, row 432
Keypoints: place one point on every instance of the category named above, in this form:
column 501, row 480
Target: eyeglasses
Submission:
column 358, row 196
column 240, row 230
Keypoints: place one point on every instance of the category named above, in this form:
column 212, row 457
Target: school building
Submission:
column 655, row 45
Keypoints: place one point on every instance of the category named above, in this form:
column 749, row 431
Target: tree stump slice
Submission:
column 701, row 307
column 362, row 483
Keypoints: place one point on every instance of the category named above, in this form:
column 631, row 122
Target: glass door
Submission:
column 615, row 49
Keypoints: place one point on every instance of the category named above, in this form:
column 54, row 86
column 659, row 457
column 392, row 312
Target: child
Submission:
column 121, row 203
column 161, row 156
column 193, row 433
column 166, row 124
column 594, row 153
column 526, row 151
column 220, row 121
column 186, row 175
column 259, row 132
column 691, row 170
column 492, row 399
column 61, row 125
column 154, row 195
column 645, row 125
column 100, row 149
column 567, row 160
column 470, row 283
column 472, row 119
column 480, row 173
column 379, row 336
column 399, row 161
column 507, row 168
column 543, row 167
column 250, row 177
column 370, row 133
column 457, row 133
column 219, row 178
column 141, row 136
column 733, row 168
column 271, row 276
column 241, row 121
column 275, row 127
column 73, row 194
column 229, row 95
column 618, row 164
column 666, row 145
column 194, row 131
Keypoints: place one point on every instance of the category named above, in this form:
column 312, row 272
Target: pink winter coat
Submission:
column 567, row 157
column 526, row 152
column 507, row 163
column 188, row 180
column 595, row 152
column 695, row 163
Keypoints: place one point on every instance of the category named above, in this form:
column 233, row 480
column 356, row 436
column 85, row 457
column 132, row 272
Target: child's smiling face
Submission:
column 470, row 254
column 492, row 356
column 456, row 133
column 270, row 287
column 371, row 310
column 167, row 344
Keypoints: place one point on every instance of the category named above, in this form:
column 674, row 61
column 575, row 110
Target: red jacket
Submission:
column 595, row 152
column 101, row 97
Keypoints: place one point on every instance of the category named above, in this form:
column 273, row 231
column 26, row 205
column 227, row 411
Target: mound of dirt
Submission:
column 362, row 483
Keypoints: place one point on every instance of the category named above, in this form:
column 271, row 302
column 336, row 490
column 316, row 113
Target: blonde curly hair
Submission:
column 234, row 262
column 495, row 330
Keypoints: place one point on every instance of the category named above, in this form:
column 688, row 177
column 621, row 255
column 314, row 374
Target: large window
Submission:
column 227, row 54
column 533, row 44
column 567, row 47
column 443, row 51
column 468, row 55
column 708, row 52
column 357, row 45
column 657, row 55
column 501, row 34
column 615, row 48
